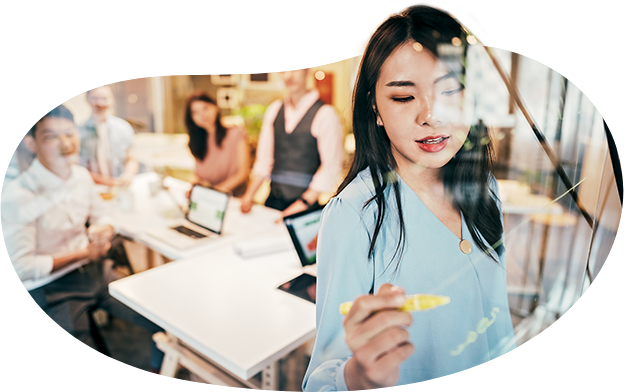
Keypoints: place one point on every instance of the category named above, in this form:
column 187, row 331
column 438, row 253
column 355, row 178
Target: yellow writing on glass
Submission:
column 483, row 325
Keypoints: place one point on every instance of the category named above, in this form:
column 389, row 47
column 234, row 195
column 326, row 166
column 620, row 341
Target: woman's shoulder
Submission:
column 358, row 192
column 236, row 133
column 235, row 130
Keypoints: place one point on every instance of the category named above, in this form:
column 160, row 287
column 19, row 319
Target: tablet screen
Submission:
column 303, row 286
column 303, row 229
column 207, row 208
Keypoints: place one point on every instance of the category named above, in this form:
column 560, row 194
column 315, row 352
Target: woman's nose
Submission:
column 426, row 115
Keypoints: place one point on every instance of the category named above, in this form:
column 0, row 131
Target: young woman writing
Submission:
column 417, row 213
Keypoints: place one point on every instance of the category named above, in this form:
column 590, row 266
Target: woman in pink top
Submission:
column 222, row 158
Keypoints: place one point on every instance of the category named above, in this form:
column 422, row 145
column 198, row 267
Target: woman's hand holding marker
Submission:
column 413, row 303
column 375, row 331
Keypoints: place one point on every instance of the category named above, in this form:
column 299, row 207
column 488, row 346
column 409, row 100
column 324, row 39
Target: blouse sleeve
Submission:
column 344, row 273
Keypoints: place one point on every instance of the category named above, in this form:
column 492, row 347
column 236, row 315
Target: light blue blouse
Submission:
column 473, row 328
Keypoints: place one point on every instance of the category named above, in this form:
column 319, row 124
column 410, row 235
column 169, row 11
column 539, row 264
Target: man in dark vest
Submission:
column 300, row 149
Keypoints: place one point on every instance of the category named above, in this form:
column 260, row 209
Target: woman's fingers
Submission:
column 381, row 345
column 376, row 324
column 375, row 331
column 246, row 205
column 375, row 316
column 380, row 358
column 385, row 371
column 364, row 306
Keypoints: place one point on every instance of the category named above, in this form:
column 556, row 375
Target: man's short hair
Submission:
column 60, row 111
column 88, row 92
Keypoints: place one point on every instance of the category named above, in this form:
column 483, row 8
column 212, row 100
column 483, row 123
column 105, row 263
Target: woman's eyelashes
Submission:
column 411, row 97
column 402, row 99
column 453, row 91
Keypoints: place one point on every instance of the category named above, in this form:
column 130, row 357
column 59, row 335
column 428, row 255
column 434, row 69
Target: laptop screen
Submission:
column 303, row 228
column 207, row 208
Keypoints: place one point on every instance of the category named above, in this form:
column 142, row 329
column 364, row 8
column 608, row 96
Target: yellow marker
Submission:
column 413, row 303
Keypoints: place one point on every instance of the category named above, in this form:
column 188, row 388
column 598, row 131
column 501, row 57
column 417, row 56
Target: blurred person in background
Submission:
column 20, row 161
column 299, row 149
column 222, row 157
column 106, row 142
column 63, row 265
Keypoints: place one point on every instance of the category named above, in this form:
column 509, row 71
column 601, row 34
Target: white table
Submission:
column 163, row 209
column 214, row 304
column 225, row 308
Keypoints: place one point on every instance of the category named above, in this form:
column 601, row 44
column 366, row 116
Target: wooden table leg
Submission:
column 150, row 255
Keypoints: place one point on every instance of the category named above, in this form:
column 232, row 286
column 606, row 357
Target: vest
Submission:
column 296, row 156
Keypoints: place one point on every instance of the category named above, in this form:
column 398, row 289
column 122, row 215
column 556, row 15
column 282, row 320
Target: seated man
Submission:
column 44, row 215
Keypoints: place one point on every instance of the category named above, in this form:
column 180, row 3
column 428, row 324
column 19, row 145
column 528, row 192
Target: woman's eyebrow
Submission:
column 400, row 83
column 408, row 83
column 441, row 78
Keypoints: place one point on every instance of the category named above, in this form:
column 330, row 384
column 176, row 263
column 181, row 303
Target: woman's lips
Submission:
column 432, row 143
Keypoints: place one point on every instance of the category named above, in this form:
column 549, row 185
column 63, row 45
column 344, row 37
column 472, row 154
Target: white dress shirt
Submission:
column 104, row 148
column 326, row 128
column 44, row 216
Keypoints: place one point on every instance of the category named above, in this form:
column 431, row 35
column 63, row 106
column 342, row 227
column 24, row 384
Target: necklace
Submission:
column 465, row 246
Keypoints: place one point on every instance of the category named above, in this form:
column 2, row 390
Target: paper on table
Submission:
column 262, row 246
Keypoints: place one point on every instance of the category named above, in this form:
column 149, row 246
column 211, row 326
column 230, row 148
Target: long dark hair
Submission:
column 198, row 136
column 465, row 177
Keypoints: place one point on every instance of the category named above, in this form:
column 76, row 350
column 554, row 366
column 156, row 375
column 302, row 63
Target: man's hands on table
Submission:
column 99, row 241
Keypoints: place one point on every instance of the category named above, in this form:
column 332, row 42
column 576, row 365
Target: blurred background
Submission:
column 555, row 245
column 155, row 107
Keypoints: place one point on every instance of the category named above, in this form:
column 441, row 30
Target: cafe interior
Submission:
column 560, row 190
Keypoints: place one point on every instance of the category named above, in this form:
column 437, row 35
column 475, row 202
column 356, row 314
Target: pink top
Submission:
column 220, row 162
column 326, row 128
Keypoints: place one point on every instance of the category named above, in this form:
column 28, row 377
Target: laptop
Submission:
column 303, row 228
column 204, row 219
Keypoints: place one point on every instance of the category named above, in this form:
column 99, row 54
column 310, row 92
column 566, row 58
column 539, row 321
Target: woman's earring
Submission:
column 379, row 123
